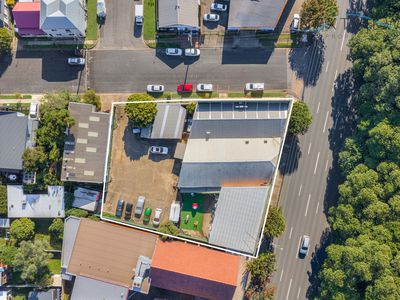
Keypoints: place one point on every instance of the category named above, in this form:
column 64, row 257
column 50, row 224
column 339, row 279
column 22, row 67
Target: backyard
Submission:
column 149, row 26
column 195, row 216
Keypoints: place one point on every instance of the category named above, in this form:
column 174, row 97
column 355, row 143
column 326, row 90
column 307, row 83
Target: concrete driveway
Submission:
column 119, row 30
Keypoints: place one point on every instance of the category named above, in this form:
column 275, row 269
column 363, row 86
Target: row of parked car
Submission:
column 213, row 17
column 138, row 211
column 201, row 87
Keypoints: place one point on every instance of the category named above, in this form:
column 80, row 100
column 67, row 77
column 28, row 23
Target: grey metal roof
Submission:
column 86, row 288
column 13, row 135
column 173, row 13
column 169, row 121
column 62, row 14
column 71, row 226
column 4, row 223
column 250, row 14
column 86, row 145
column 50, row 294
column 238, row 218
column 33, row 125
column 211, row 176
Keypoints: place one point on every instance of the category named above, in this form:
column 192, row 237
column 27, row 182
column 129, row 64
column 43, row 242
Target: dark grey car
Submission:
column 120, row 208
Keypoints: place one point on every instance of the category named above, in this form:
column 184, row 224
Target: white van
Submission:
column 33, row 110
column 175, row 212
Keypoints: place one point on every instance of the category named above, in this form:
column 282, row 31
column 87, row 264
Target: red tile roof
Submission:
column 27, row 6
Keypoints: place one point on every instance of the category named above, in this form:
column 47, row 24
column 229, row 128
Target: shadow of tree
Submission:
column 5, row 62
column 290, row 156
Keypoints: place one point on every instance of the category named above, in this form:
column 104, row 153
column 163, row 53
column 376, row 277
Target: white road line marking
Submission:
column 316, row 163
column 290, row 234
column 341, row 46
column 326, row 120
column 318, row 106
column 280, row 278
column 288, row 291
column 309, row 148
column 298, row 293
column 308, row 203
column 326, row 165
column 327, row 66
column 316, row 211
column 301, row 186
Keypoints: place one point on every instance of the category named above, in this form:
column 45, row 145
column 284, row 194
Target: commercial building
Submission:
column 181, row 16
column 169, row 121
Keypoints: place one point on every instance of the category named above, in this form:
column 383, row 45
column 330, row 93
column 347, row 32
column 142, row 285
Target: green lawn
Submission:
column 55, row 266
column 194, row 215
column 149, row 26
column 91, row 30
column 16, row 96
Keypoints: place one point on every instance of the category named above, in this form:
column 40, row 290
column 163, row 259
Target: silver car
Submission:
column 139, row 206
column 204, row 87
column 192, row 52
column 155, row 88
column 211, row 17
column 173, row 51
column 305, row 243
column 219, row 7
column 159, row 150
column 254, row 86
column 76, row 61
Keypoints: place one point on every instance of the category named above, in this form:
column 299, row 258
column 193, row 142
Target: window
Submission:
column 67, row 30
column 54, row 30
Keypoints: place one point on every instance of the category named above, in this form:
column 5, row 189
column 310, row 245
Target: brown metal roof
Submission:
column 109, row 252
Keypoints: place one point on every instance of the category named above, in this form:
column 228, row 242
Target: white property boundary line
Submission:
column 290, row 100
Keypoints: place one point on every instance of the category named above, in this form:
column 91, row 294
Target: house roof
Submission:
column 86, row 145
column 62, row 14
column 50, row 205
column 4, row 223
column 71, row 226
column 108, row 252
column 87, row 288
column 173, row 13
column 238, row 218
column 50, row 294
column 169, row 121
column 250, row 14
column 27, row 16
column 13, row 135
column 194, row 270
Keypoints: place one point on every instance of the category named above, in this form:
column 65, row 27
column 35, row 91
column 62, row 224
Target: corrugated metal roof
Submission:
column 4, row 223
column 13, row 135
column 238, row 218
column 86, row 288
column 169, row 121
column 178, row 12
column 71, row 226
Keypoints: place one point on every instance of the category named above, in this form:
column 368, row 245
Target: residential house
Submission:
column 5, row 294
column 49, row 294
column 181, row 16
column 26, row 19
column 5, row 20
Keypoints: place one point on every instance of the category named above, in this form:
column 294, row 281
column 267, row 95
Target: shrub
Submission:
column 190, row 108
column 76, row 212
column 22, row 229
column 90, row 97
column 3, row 199
column 56, row 230
column 168, row 228
column 142, row 114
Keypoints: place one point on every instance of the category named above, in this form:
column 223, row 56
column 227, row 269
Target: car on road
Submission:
column 76, row 61
column 128, row 211
column 219, row 6
column 211, row 18
column 173, row 51
column 120, row 208
column 139, row 206
column 254, row 86
column 147, row 215
column 304, row 245
column 185, row 88
column 204, row 87
column 157, row 216
column 155, row 88
column 159, row 150
column 12, row 177
column 295, row 23
column 192, row 52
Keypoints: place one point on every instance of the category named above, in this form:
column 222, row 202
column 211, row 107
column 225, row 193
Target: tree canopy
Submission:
column 22, row 229
column 3, row 200
column 300, row 119
column 34, row 159
column 275, row 224
column 90, row 97
column 5, row 40
column 142, row 114
column 315, row 13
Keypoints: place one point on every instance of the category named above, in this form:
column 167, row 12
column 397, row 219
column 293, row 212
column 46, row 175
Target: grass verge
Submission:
column 16, row 96
column 149, row 26
column 91, row 30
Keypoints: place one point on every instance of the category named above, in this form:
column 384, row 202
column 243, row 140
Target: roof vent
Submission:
column 246, row 142
column 265, row 141
column 208, row 135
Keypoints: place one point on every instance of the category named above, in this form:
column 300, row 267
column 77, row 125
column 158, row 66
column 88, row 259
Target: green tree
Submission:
column 32, row 260
column 5, row 40
column 168, row 228
column 300, row 119
column 90, row 97
column 190, row 108
column 275, row 224
column 350, row 156
column 315, row 13
column 76, row 212
column 3, row 200
column 142, row 113
column 34, row 159
column 261, row 268
column 7, row 254
column 22, row 229
column 56, row 230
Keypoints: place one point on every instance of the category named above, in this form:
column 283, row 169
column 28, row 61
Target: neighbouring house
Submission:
column 181, row 16
column 27, row 19
column 255, row 15
column 5, row 20
column 50, row 205
column 49, row 294
column 86, row 145
column 3, row 274
column 169, row 121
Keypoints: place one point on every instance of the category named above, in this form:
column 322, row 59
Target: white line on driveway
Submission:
column 326, row 120
column 301, row 186
column 316, row 163
column 288, row 291
column 316, row 211
column 290, row 234
column 309, row 148
column 308, row 203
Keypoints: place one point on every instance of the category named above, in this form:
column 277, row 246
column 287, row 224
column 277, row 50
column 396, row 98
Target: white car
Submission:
column 305, row 243
column 295, row 23
column 211, row 17
column 173, row 51
column 219, row 6
column 254, row 86
column 192, row 52
column 12, row 177
column 76, row 61
column 204, row 87
column 155, row 88
column 159, row 150
column 157, row 216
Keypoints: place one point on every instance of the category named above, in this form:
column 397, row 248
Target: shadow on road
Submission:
column 5, row 62
column 290, row 156
column 248, row 56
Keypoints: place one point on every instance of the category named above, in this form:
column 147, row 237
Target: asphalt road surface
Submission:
column 311, row 181
column 126, row 71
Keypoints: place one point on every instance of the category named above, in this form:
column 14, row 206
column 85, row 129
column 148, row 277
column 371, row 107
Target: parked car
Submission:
column 159, row 150
column 147, row 215
column 219, row 6
column 189, row 125
column 295, row 23
column 12, row 177
column 120, row 208
column 136, row 130
column 155, row 88
column 157, row 216
column 128, row 211
column 305, row 243
column 185, row 88
column 255, row 86
column 204, row 87
column 192, row 52
column 76, row 61
column 101, row 9
column 139, row 206
column 173, row 51
column 211, row 18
